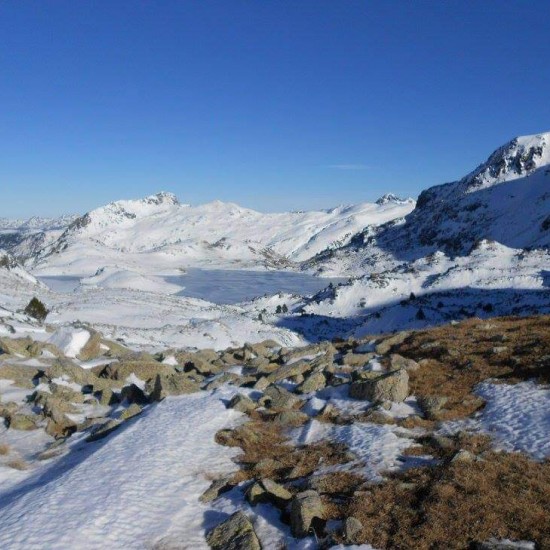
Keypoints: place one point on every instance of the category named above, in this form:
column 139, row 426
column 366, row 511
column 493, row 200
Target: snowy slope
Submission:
column 160, row 233
column 129, row 491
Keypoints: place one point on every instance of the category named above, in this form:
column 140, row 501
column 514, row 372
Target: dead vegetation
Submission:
column 457, row 503
column 455, row 358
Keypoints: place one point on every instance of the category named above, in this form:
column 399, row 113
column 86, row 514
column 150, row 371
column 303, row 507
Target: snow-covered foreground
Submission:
column 129, row 490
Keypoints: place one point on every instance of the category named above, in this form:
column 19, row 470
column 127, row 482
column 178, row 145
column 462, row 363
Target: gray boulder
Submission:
column 314, row 382
column 305, row 508
column 276, row 397
column 172, row 384
column 377, row 387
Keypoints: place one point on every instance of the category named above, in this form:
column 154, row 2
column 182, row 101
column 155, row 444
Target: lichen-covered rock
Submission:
column 431, row 405
column 268, row 490
column 314, row 382
column 242, row 403
column 305, row 508
column 133, row 410
column 235, row 533
column 386, row 344
column 276, row 397
column 399, row 362
column 292, row 419
column 144, row 370
column 375, row 386
column 21, row 421
column 217, row 487
column 288, row 371
column 352, row 528
column 172, row 384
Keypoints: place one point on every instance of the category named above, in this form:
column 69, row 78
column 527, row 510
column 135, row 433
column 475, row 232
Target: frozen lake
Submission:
column 226, row 286
column 223, row 286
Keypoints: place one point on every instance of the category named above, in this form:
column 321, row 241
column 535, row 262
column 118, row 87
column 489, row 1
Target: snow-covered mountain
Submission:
column 505, row 199
column 24, row 238
column 160, row 233
column 475, row 247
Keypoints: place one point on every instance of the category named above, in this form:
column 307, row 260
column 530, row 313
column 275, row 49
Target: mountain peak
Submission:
column 164, row 197
column 391, row 197
column 517, row 158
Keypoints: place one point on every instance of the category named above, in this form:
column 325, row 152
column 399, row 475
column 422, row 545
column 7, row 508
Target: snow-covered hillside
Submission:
column 478, row 246
column 24, row 238
column 159, row 233
column 505, row 199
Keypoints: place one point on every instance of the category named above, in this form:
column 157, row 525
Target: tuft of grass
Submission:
column 17, row 464
column 4, row 449
column 504, row 495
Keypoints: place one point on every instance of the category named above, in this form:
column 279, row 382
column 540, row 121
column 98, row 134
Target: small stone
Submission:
column 432, row 405
column 463, row 456
column 314, row 382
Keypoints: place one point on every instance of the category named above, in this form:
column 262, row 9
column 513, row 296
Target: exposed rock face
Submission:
column 377, row 387
column 235, row 533
column 305, row 508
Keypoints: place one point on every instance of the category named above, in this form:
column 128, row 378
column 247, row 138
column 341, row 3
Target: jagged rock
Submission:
column 314, row 382
column 276, row 397
column 375, row 386
column 107, row 397
column 92, row 348
column 242, row 403
column 133, row 394
column 291, row 418
column 352, row 528
column 172, row 384
column 261, row 383
column 235, row 533
column 21, row 375
column 306, row 507
column 144, row 370
column 36, row 349
column 399, row 362
column 352, row 359
column 225, row 378
column 15, row 346
column 21, row 421
column 431, row 405
column 66, row 393
column 268, row 490
column 133, row 410
column 217, row 487
column 104, row 430
column 287, row 371
column 386, row 344
column 267, row 465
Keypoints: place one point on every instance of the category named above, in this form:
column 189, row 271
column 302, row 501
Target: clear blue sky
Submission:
column 275, row 104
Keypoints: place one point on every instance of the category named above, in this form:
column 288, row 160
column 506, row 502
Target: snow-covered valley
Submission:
column 206, row 364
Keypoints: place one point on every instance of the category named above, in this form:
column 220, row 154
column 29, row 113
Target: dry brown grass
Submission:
column 4, row 449
column 17, row 464
column 452, row 505
column 454, row 359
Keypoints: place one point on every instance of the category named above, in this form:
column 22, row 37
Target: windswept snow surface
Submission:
column 518, row 416
column 138, row 485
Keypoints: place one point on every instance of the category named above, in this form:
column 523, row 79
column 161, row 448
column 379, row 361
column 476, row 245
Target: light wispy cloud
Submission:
column 349, row 166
